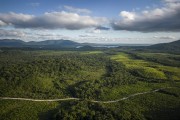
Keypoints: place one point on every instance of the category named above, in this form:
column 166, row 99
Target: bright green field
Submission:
column 57, row 53
column 148, row 69
column 92, row 52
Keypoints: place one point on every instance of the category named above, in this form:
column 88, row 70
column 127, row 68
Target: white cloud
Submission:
column 77, row 10
column 2, row 23
column 127, row 15
column 170, row 1
column 165, row 37
column 12, row 33
column 166, row 18
column 87, row 35
column 94, row 31
column 15, row 19
column 52, row 20
column 26, row 35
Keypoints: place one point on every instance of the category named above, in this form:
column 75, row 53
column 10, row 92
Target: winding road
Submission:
column 94, row 101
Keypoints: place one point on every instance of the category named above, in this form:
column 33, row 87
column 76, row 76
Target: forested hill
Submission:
column 169, row 47
column 173, row 47
column 46, row 43
column 11, row 43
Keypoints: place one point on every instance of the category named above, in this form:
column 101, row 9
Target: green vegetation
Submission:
column 154, row 106
column 125, row 90
column 89, row 75
column 138, row 66
column 162, row 58
column 92, row 52
column 24, row 110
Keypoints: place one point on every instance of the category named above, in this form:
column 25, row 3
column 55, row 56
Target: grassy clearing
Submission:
column 57, row 53
column 92, row 52
column 148, row 69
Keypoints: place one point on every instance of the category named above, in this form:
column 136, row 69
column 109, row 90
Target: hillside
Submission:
column 167, row 47
column 46, row 43
column 11, row 43
column 60, row 43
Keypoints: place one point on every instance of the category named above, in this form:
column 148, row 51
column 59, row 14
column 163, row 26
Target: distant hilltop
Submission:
column 46, row 43
column 172, row 46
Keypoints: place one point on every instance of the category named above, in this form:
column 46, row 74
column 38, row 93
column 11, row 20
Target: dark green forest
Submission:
column 96, row 75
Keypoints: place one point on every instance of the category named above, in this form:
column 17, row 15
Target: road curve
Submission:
column 94, row 101
column 130, row 96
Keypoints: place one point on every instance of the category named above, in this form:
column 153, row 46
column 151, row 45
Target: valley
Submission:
column 114, row 83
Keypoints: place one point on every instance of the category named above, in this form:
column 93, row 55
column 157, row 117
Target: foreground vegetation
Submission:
column 89, row 75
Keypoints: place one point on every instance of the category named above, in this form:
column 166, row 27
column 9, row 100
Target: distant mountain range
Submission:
column 172, row 46
column 52, row 44
column 46, row 43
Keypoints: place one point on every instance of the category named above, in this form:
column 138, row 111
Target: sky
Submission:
column 92, row 21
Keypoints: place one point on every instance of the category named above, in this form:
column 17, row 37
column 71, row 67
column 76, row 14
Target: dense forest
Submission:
column 90, row 76
column 63, row 75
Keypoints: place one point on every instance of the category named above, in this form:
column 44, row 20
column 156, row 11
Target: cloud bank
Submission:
column 50, row 20
column 2, row 23
column 12, row 33
column 166, row 18
column 165, row 37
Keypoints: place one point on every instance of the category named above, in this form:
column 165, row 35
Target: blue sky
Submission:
column 95, row 21
column 107, row 8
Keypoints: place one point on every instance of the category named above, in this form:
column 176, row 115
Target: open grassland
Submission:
column 146, row 68
column 91, row 52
